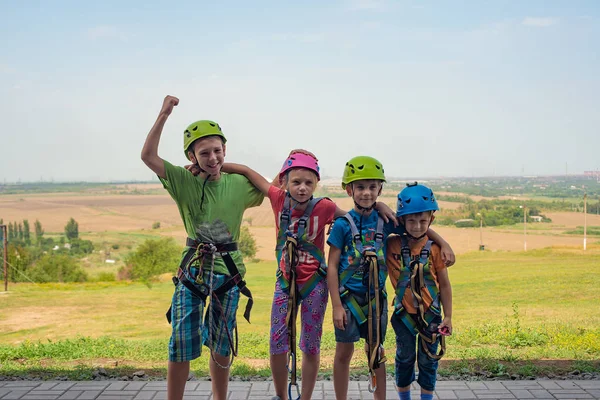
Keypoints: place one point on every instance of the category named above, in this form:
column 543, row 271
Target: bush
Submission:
column 57, row 268
column 247, row 243
column 151, row 258
column 156, row 225
column 20, row 259
column 106, row 277
column 81, row 247
column 115, row 246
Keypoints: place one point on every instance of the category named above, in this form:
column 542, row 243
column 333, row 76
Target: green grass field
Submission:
column 512, row 312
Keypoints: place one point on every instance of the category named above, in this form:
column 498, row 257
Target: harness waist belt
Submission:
column 221, row 247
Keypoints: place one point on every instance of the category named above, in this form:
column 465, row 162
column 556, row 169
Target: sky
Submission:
column 430, row 88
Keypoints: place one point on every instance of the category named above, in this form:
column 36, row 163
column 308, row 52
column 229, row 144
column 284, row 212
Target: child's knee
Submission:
column 344, row 352
column 310, row 357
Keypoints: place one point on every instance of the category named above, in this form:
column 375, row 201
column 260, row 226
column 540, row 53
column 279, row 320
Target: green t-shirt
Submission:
column 220, row 217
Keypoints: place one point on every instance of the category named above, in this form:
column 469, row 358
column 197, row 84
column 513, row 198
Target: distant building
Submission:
column 536, row 218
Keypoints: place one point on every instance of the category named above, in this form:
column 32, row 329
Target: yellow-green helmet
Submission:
column 362, row 167
column 200, row 129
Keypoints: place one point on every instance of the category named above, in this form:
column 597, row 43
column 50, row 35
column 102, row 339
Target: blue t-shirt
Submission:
column 341, row 237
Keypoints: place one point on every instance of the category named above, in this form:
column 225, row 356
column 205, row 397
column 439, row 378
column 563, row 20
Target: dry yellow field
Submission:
column 109, row 212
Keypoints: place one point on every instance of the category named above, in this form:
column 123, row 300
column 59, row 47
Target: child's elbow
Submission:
column 146, row 156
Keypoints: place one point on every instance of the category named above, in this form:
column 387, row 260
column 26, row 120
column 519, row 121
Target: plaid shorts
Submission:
column 190, row 332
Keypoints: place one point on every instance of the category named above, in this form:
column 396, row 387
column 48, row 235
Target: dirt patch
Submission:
column 35, row 317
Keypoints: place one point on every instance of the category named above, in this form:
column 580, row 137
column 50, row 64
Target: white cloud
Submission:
column 367, row 4
column 540, row 22
column 297, row 37
column 105, row 32
column 7, row 69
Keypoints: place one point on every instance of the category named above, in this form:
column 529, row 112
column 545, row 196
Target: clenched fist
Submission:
column 168, row 104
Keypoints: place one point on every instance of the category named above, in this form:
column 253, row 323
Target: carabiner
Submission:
column 291, row 361
column 372, row 382
column 290, row 391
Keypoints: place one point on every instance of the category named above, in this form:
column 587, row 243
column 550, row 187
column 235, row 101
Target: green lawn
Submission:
column 508, row 308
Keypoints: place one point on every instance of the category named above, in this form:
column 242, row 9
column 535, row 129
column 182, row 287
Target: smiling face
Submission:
column 301, row 184
column 209, row 154
column 364, row 192
column 418, row 224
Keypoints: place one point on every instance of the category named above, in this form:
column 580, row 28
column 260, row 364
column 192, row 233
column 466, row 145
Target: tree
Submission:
column 20, row 230
column 20, row 259
column 39, row 232
column 72, row 229
column 11, row 232
column 151, row 258
column 57, row 268
column 26, row 232
column 247, row 243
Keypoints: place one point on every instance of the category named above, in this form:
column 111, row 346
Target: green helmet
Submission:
column 200, row 129
column 362, row 167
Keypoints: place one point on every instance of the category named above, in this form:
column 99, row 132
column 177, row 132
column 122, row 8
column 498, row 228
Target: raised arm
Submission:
column 254, row 177
column 150, row 150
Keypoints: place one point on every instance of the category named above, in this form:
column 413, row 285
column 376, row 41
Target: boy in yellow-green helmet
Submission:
column 357, row 268
column 211, row 206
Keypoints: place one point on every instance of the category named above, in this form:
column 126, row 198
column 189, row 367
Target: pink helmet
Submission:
column 299, row 160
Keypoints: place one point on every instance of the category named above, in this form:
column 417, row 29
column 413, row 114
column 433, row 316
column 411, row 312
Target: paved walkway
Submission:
column 156, row 390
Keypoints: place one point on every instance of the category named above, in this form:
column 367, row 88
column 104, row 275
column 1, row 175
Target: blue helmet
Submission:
column 414, row 199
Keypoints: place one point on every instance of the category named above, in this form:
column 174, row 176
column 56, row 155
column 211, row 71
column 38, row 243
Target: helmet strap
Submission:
column 416, row 239
column 361, row 208
column 203, row 193
column 299, row 203
column 364, row 209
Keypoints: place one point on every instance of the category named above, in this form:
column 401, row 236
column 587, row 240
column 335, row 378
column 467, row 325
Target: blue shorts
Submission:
column 354, row 332
column 190, row 332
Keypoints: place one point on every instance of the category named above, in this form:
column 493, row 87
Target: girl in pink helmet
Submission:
column 301, row 282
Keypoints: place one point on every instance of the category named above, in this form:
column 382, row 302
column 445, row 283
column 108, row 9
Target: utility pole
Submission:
column 584, row 220
column 524, row 227
column 481, row 246
column 5, row 252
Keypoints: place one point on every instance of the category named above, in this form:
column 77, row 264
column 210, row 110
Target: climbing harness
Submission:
column 415, row 274
column 293, row 243
column 197, row 252
column 368, row 258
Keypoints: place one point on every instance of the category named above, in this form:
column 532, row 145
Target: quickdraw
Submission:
column 375, row 355
column 292, row 313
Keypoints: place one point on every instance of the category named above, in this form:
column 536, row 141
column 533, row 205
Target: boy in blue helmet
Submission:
column 420, row 280
column 357, row 273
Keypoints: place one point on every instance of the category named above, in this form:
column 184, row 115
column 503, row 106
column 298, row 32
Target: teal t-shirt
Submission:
column 220, row 217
